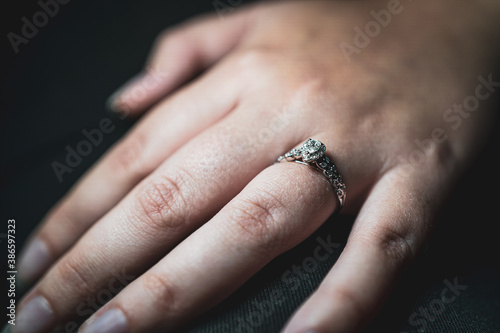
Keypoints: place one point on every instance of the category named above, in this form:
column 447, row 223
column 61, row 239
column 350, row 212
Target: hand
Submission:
column 190, row 203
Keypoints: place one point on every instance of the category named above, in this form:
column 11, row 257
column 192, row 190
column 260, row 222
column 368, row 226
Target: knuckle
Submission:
column 74, row 274
column 128, row 158
column 161, row 291
column 311, row 89
column 350, row 298
column 304, row 91
column 59, row 223
column 255, row 63
column 440, row 156
column 162, row 204
column 258, row 218
column 394, row 244
column 256, row 56
column 443, row 156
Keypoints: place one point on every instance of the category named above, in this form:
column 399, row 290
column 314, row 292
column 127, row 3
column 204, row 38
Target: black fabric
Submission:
column 56, row 86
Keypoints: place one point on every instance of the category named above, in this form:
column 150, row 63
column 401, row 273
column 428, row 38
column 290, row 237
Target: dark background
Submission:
column 57, row 85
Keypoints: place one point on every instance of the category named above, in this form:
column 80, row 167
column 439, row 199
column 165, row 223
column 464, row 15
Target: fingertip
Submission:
column 35, row 316
column 139, row 93
column 122, row 99
column 111, row 321
column 33, row 261
column 113, row 108
column 111, row 101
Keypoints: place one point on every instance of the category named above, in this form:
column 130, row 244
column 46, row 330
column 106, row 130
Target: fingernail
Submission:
column 115, row 100
column 36, row 316
column 306, row 331
column 6, row 328
column 112, row 101
column 121, row 111
column 111, row 321
column 33, row 261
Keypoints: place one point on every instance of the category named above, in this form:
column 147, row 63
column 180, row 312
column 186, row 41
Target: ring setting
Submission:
column 313, row 153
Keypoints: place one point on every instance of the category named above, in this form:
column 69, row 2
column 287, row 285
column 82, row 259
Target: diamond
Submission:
column 312, row 150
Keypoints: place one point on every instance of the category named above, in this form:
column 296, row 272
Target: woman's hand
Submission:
column 190, row 203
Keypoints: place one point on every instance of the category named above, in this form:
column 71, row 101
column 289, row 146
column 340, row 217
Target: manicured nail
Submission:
column 294, row 330
column 6, row 328
column 114, row 101
column 111, row 321
column 33, row 261
column 36, row 316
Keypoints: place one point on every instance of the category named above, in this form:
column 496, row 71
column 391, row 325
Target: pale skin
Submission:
column 192, row 188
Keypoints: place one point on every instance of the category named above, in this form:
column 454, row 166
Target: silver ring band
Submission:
column 312, row 153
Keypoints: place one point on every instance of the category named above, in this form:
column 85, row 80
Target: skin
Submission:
column 192, row 188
